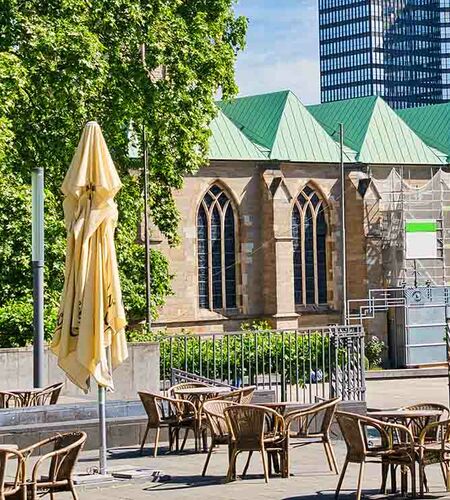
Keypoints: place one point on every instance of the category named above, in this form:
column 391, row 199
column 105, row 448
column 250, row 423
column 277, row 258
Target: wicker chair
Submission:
column 214, row 412
column 241, row 396
column 321, row 413
column 418, row 424
column 387, row 453
column 48, row 396
column 11, row 400
column 434, row 448
column 162, row 411
column 15, row 488
column 62, row 458
column 255, row 428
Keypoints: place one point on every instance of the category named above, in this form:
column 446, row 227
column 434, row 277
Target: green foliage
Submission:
column 374, row 349
column 65, row 63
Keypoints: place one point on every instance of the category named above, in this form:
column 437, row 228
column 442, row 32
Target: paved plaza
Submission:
column 393, row 393
column 311, row 478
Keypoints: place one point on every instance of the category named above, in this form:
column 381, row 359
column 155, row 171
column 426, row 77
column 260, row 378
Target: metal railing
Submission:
column 298, row 365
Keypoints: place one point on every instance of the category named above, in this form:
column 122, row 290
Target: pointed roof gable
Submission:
column 375, row 131
column 281, row 124
column 227, row 142
column 431, row 123
column 257, row 116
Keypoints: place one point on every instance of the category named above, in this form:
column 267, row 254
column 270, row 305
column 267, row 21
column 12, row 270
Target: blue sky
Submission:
column 282, row 48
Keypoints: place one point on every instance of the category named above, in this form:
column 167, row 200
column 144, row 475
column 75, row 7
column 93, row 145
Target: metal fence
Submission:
column 298, row 365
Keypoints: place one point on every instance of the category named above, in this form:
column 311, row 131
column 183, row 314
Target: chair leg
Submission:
column 232, row 466
column 72, row 490
column 250, row 453
column 384, row 476
column 447, row 478
column 204, row 440
column 341, row 479
column 208, row 458
column 413, row 480
column 155, row 451
column 331, row 457
column 184, row 439
column 360, row 478
column 144, row 439
column 177, row 439
column 422, row 479
column 393, row 479
column 265, row 465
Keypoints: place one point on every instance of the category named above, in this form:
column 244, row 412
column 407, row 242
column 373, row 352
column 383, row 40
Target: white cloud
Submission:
column 282, row 48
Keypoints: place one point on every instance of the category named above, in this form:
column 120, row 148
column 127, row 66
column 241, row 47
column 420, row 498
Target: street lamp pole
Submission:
column 37, row 243
column 146, row 215
column 344, row 236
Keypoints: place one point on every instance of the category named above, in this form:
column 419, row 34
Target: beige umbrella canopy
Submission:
column 91, row 317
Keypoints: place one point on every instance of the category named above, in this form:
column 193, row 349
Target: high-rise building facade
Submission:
column 396, row 49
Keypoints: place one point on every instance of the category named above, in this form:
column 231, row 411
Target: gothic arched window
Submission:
column 309, row 231
column 216, row 251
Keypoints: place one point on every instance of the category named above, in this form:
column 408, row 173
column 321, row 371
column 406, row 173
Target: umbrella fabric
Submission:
column 91, row 320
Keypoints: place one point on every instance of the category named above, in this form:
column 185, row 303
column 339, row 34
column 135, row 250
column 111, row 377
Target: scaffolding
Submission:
column 414, row 292
column 406, row 198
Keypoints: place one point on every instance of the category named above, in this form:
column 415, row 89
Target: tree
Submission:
column 63, row 63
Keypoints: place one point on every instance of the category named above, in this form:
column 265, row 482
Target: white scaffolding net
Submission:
column 414, row 202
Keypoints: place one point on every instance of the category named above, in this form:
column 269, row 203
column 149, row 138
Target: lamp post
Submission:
column 148, row 276
column 344, row 249
column 37, row 243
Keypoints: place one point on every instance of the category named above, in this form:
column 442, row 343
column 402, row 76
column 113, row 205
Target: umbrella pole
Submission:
column 102, row 428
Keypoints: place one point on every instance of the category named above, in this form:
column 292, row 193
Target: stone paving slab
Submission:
column 311, row 479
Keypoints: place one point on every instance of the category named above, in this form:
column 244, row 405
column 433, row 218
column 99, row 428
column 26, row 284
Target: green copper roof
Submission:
column 281, row 125
column 431, row 124
column 227, row 142
column 375, row 131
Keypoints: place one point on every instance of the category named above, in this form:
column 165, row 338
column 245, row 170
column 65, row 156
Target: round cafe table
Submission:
column 405, row 417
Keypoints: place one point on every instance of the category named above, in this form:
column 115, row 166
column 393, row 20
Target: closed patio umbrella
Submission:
column 90, row 336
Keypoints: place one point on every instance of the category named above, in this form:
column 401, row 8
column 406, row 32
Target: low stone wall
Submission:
column 139, row 372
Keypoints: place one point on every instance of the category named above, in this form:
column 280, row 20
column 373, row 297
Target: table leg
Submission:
column 393, row 479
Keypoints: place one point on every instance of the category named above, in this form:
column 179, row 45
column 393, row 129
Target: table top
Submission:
column 23, row 391
column 284, row 404
column 404, row 413
column 9, row 446
column 200, row 391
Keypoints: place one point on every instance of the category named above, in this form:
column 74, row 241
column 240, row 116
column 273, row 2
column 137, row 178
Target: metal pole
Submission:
column 37, row 232
column 146, row 230
column 344, row 249
column 102, row 428
column 447, row 342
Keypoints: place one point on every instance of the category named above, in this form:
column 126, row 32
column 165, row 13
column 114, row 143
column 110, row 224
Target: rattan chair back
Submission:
column 66, row 450
column 48, row 396
column 353, row 429
column 12, row 400
column 158, row 408
column 322, row 414
column 418, row 424
column 214, row 412
column 241, row 396
column 249, row 424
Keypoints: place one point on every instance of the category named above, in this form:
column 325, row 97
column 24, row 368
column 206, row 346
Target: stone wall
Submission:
column 139, row 371
column 263, row 197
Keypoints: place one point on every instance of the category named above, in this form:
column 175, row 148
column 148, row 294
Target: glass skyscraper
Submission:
column 397, row 49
